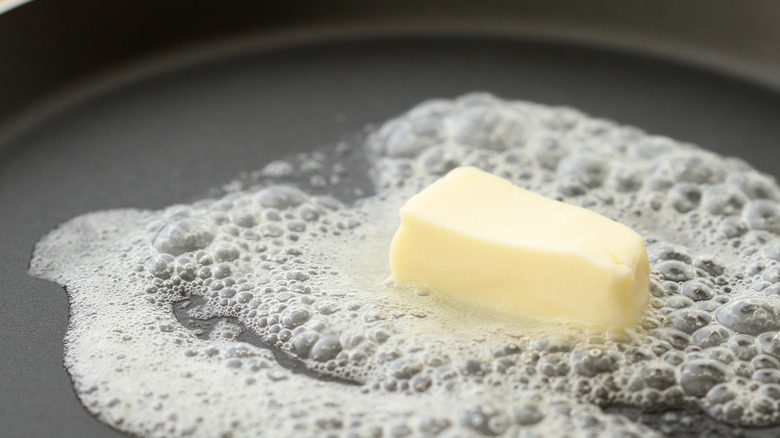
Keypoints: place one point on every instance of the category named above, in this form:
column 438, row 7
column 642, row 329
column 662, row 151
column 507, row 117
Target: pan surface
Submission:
column 165, row 130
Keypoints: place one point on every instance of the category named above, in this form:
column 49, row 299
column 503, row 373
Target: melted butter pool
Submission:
column 295, row 254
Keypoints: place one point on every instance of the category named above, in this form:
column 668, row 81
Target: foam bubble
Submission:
column 266, row 309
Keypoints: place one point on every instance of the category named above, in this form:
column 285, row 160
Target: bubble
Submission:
column 766, row 375
column 527, row 414
column 743, row 346
column 772, row 274
column 553, row 365
column 685, row 197
column 593, row 361
column 440, row 159
column 278, row 169
column 434, row 425
column 225, row 252
column 404, row 369
column 721, row 393
column 709, row 265
column 491, row 130
column 750, row 316
column 762, row 215
column 303, row 343
column 281, row 197
column 628, row 179
column 244, row 297
column 325, row 349
column 675, row 338
column 697, row 290
column 721, row 354
column 485, row 418
column 161, row 266
column 650, row 147
column 657, row 376
column 183, row 236
column 221, row 270
column 471, row 367
column 690, row 320
column 770, row 391
column 401, row 140
column 675, row 270
column 733, row 226
column 710, row 336
column 699, row 376
column 723, row 199
column 765, row 361
column 547, row 150
column 669, row 252
column 583, row 170
column 227, row 292
column 769, row 343
column 246, row 219
column 271, row 230
column 697, row 167
column 186, row 268
column 754, row 185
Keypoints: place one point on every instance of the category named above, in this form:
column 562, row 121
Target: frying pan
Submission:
column 147, row 103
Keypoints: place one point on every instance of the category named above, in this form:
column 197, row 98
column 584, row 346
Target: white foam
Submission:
column 305, row 274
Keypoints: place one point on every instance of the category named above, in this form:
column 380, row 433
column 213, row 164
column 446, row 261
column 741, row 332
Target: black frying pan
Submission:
column 146, row 103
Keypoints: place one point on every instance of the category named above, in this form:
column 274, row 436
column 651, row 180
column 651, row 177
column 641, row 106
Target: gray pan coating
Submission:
column 169, row 135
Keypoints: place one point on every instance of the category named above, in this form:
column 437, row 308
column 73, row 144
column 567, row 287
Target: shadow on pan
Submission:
column 143, row 104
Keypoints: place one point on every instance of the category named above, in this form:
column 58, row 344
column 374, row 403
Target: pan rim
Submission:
column 173, row 59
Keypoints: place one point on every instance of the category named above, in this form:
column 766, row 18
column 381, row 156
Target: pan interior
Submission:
column 173, row 134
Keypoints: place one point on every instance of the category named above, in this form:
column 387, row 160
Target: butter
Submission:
column 479, row 238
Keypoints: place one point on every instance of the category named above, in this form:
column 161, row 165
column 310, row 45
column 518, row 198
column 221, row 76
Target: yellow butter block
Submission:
column 481, row 239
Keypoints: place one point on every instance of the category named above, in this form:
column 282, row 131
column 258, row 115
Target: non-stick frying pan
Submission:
column 146, row 103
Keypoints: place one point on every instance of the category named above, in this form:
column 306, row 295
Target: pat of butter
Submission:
column 479, row 238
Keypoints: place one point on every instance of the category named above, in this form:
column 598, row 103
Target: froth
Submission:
column 266, row 311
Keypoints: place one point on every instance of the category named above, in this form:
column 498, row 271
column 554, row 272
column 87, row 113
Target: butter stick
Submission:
column 479, row 238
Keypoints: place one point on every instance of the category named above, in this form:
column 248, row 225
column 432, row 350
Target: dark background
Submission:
column 143, row 104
